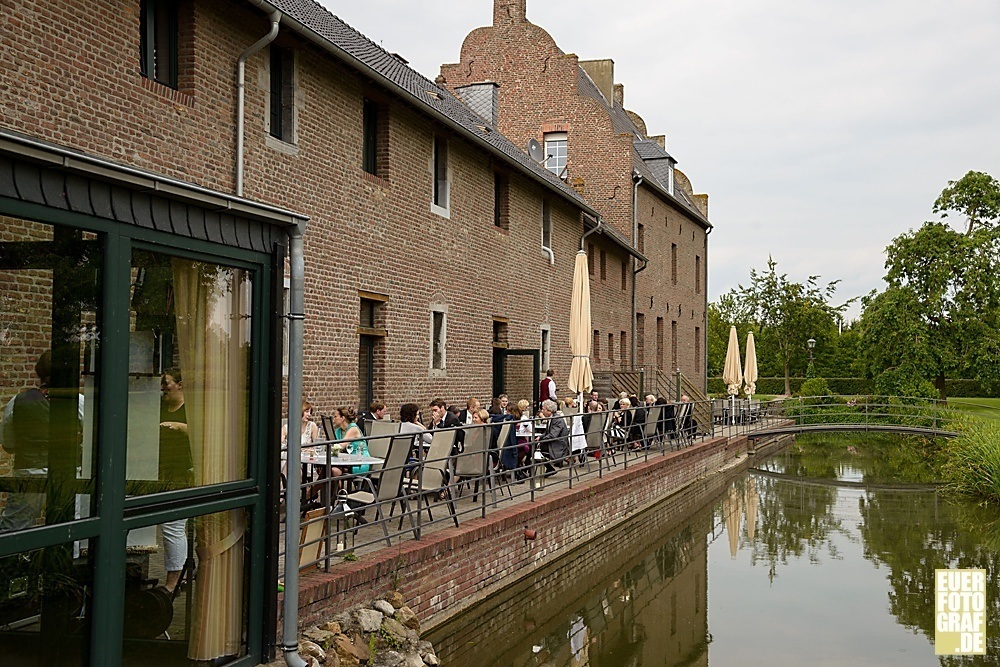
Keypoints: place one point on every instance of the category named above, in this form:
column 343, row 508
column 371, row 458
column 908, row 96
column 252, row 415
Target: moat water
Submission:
column 823, row 554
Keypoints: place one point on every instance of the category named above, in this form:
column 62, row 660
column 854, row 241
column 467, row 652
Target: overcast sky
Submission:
column 820, row 130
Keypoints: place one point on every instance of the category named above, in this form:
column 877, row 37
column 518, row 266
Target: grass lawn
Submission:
column 987, row 408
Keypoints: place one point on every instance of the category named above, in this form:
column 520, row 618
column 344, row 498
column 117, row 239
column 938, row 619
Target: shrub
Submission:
column 815, row 387
column 972, row 465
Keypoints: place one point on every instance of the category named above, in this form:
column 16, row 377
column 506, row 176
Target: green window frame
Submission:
column 114, row 514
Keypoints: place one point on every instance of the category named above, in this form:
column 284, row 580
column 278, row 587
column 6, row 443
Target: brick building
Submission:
column 575, row 111
column 146, row 198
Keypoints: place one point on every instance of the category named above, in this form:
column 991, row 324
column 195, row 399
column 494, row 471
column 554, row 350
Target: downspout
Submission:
column 241, row 95
column 296, row 316
column 705, row 322
column 636, row 269
column 598, row 229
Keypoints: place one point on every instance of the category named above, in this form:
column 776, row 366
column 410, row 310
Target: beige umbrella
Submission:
column 731, row 508
column 581, row 377
column 732, row 374
column 751, row 501
column 750, row 367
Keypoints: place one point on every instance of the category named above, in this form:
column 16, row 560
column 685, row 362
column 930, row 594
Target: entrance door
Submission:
column 516, row 373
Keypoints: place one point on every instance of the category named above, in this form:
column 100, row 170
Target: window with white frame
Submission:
column 442, row 177
column 439, row 337
column 545, row 347
column 555, row 153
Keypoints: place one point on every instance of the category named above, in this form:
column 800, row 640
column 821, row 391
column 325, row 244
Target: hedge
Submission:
column 853, row 386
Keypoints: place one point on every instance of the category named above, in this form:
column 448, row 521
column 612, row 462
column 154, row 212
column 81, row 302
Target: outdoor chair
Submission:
column 595, row 436
column 390, row 482
column 682, row 417
column 718, row 410
column 380, row 436
column 474, row 464
column 328, row 428
column 433, row 476
column 650, row 428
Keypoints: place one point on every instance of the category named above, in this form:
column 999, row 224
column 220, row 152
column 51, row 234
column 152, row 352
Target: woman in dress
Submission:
column 345, row 428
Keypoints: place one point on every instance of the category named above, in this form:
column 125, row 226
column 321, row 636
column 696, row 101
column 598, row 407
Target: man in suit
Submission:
column 554, row 443
column 471, row 407
column 376, row 411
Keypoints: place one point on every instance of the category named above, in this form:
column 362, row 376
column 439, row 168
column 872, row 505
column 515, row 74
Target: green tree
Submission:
column 784, row 315
column 976, row 195
column 941, row 311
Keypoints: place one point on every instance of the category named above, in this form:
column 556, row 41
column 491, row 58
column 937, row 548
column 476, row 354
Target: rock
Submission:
column 317, row 636
column 311, row 649
column 394, row 629
column 347, row 652
column 332, row 626
column 361, row 646
column 431, row 659
column 423, row 648
column 407, row 617
column 369, row 619
column 414, row 660
column 395, row 598
column 385, row 607
column 312, row 662
column 390, row 659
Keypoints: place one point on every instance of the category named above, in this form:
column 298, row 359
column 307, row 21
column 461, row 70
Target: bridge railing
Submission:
column 861, row 411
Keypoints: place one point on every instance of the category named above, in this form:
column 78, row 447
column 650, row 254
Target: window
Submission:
column 555, row 153
column 371, row 139
column 697, row 274
column 590, row 258
column 501, row 200
column 499, row 333
column 604, row 265
column 596, row 352
column 624, row 274
column 158, row 41
column 659, row 343
column 438, row 338
column 623, row 348
column 545, row 348
column 441, row 176
column 640, row 339
column 546, row 227
column 611, row 348
column 673, row 263
column 697, row 349
column 282, row 107
column 640, row 239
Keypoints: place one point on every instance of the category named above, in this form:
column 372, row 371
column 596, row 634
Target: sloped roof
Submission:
column 316, row 22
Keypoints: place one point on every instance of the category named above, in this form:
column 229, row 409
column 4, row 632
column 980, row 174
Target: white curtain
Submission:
column 213, row 339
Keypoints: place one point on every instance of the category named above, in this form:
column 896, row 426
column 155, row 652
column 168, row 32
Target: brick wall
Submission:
column 538, row 93
column 482, row 554
column 366, row 233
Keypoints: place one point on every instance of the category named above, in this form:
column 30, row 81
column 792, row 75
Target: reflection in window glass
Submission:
column 45, row 606
column 188, row 373
column 200, row 615
column 49, row 337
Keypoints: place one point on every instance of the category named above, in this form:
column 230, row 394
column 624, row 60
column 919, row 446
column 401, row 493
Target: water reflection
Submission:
column 824, row 554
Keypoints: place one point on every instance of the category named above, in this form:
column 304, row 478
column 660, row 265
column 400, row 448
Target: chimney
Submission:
column 620, row 95
column 603, row 74
column 509, row 11
column 660, row 139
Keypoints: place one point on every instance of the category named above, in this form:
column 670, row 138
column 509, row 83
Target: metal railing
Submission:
column 479, row 480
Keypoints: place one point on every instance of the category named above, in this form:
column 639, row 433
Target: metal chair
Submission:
column 433, row 474
column 650, row 428
column 390, row 483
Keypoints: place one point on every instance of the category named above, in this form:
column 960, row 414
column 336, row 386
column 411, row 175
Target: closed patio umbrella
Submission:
column 732, row 374
column 751, row 500
column 750, row 367
column 581, row 377
column 731, row 508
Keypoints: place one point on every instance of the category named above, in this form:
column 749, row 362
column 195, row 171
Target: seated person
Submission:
column 554, row 443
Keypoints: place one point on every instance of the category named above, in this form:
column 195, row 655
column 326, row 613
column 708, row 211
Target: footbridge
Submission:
column 825, row 414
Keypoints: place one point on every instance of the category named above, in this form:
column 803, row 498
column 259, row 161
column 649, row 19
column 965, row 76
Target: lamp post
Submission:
column 811, row 343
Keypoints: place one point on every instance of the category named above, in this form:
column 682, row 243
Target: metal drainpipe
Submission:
column 705, row 315
column 598, row 229
column 241, row 92
column 296, row 316
column 636, row 182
